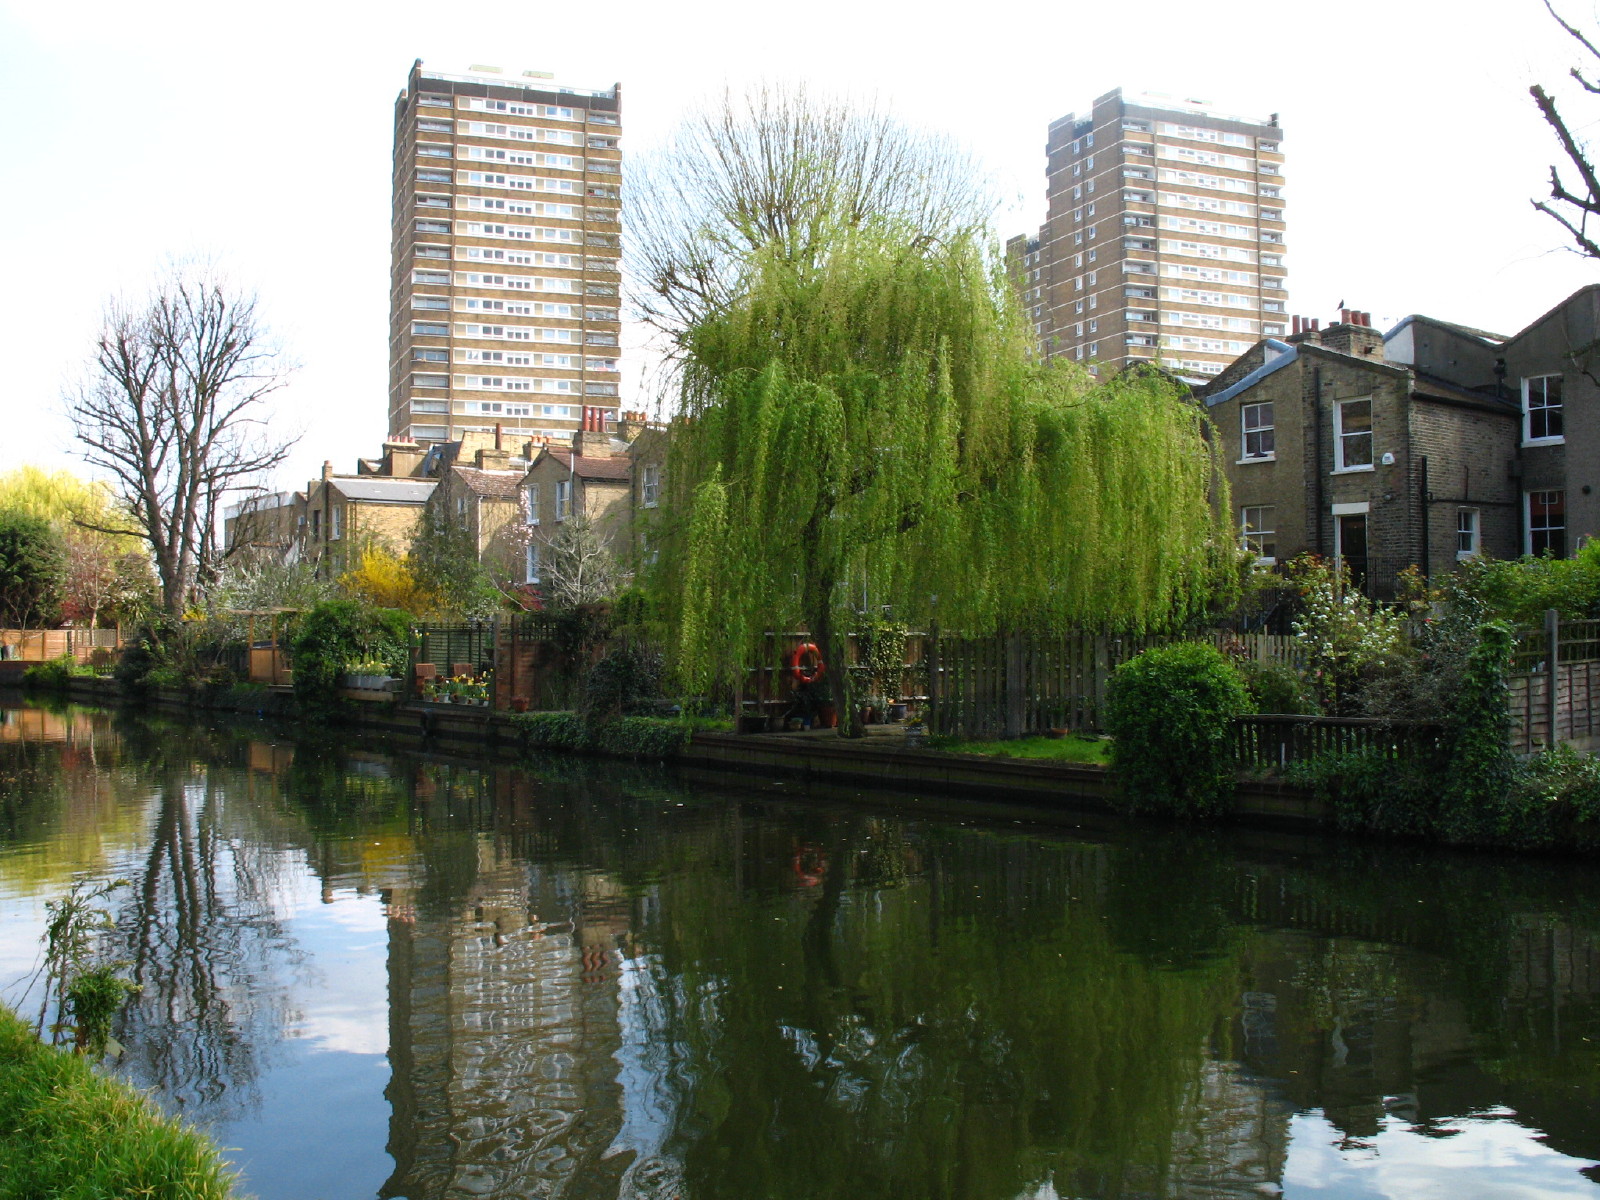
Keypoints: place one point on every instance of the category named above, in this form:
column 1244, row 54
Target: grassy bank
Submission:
column 1094, row 752
column 68, row 1133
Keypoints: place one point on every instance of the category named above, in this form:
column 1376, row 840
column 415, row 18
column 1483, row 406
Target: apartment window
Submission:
column 1077, row 329
column 433, row 226
column 1094, row 349
column 1077, row 239
column 1255, row 421
column 1094, row 326
column 424, row 354
column 430, row 381
column 1256, row 534
column 1136, row 315
column 650, row 488
column 1466, row 533
column 1547, row 523
column 436, row 278
column 1092, row 275
column 429, row 329
column 1094, row 300
column 425, row 175
column 563, row 499
column 433, row 125
column 1352, row 435
column 1092, row 254
column 1541, row 410
column 431, row 251
column 1077, row 306
column 436, row 100
column 1077, row 191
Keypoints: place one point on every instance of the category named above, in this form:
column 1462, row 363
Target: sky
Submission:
column 258, row 137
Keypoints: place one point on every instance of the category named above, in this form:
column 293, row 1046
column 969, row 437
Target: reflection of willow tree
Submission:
column 880, row 1038
column 203, row 938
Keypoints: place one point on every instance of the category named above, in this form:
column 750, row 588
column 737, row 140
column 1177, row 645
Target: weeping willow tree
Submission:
column 862, row 423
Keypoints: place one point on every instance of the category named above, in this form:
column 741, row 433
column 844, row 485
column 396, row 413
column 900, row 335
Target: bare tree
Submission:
column 173, row 408
column 578, row 567
column 778, row 169
column 1572, row 207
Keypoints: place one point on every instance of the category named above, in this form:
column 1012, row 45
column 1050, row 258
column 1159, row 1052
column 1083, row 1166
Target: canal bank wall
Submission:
column 788, row 759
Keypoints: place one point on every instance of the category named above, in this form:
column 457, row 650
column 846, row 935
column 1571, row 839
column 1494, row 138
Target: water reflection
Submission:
column 603, row 981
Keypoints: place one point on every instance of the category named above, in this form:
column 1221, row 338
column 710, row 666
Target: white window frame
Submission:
column 1469, row 533
column 650, row 485
column 1252, row 539
column 1340, row 467
column 1527, row 518
column 1246, row 429
column 531, row 492
column 563, row 499
column 530, row 561
column 1543, row 391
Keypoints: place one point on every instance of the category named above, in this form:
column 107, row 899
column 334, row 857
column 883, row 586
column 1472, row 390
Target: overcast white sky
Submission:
column 260, row 135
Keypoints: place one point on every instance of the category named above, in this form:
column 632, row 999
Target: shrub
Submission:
column 1276, row 688
column 624, row 682
column 627, row 737
column 1168, row 711
column 53, row 675
column 337, row 632
column 1367, row 790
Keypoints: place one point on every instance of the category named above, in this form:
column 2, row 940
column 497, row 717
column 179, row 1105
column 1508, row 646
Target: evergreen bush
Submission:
column 337, row 632
column 1169, row 711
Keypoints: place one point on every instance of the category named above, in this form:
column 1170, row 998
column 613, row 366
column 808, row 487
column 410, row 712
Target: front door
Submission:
column 1350, row 546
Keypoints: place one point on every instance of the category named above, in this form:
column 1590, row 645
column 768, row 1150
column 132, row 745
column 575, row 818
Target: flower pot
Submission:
column 519, row 704
column 827, row 717
column 897, row 712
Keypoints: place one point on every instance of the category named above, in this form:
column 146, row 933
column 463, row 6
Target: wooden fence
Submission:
column 1008, row 686
column 39, row 645
column 1269, row 741
column 1555, row 686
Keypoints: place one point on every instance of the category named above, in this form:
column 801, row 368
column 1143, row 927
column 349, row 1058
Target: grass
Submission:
column 1070, row 749
column 68, row 1133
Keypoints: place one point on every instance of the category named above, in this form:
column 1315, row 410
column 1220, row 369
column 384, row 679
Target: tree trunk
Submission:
column 835, row 653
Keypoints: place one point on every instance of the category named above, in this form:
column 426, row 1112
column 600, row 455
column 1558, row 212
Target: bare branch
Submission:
column 172, row 410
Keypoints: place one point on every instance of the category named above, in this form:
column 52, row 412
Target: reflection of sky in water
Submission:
column 323, row 1086
column 1488, row 1157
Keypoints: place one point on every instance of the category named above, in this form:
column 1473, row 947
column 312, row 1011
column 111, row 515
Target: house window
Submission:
column 563, row 498
column 1352, row 435
column 1255, row 421
column 1466, row 533
column 650, row 489
column 532, row 564
column 1256, row 532
column 1541, row 410
column 461, row 506
column 1547, row 523
column 532, row 493
column 336, row 523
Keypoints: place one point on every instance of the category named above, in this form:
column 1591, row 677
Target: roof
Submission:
column 589, row 468
column 384, row 489
column 1432, row 387
column 496, row 485
column 1482, row 335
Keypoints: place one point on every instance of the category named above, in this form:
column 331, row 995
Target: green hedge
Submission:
column 70, row 1134
column 337, row 632
column 627, row 737
column 1169, row 712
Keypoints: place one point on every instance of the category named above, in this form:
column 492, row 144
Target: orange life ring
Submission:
column 802, row 671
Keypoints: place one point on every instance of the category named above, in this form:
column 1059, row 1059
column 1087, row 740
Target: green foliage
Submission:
column 70, row 1134
column 196, row 651
column 1276, row 688
column 85, row 990
column 1168, row 711
column 882, row 646
column 33, row 571
column 627, row 680
column 444, row 566
column 1371, row 791
column 872, row 421
column 337, row 632
column 53, row 675
column 1519, row 590
column 1069, row 749
column 1481, row 765
column 1347, row 637
column 625, row 737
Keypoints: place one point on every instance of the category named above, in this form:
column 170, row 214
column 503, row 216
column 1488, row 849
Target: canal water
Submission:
column 377, row 974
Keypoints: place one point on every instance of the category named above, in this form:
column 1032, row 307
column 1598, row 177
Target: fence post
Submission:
column 1014, row 685
column 1552, row 637
column 930, row 651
